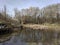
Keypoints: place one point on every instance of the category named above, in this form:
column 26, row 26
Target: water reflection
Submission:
column 34, row 37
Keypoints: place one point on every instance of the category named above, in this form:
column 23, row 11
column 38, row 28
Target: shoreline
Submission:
column 41, row 26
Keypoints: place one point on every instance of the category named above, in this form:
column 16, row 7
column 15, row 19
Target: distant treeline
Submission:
column 34, row 15
column 49, row 14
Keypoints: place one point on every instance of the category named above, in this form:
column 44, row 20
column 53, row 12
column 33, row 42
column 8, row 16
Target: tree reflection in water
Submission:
column 34, row 37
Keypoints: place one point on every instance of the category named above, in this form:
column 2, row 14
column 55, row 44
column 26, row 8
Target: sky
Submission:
column 22, row 4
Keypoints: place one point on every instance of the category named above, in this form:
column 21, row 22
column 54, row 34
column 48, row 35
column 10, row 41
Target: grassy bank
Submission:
column 43, row 26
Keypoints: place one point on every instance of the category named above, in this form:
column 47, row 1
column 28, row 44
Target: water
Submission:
column 34, row 37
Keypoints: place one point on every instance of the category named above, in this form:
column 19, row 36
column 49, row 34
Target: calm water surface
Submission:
column 33, row 37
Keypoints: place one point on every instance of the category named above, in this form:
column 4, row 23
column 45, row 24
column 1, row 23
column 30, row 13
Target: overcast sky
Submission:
column 20, row 4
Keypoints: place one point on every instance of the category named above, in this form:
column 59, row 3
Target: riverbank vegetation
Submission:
column 33, row 15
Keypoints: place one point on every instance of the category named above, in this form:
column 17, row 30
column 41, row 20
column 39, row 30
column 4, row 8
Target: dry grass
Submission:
column 43, row 26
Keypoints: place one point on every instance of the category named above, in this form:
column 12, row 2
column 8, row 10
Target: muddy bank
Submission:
column 5, row 35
